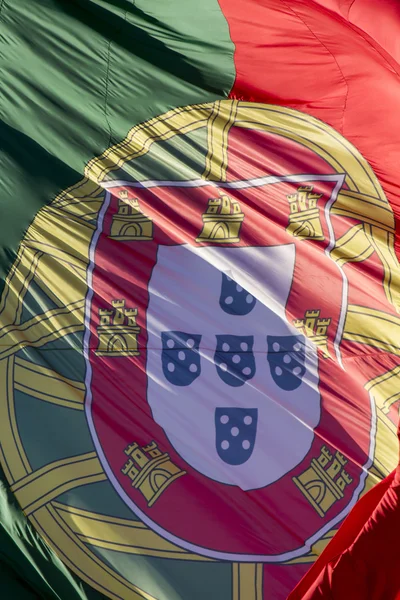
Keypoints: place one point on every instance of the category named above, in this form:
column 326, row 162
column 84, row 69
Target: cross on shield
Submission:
column 197, row 364
column 234, row 299
column 235, row 434
column 234, row 359
column 180, row 357
column 286, row 358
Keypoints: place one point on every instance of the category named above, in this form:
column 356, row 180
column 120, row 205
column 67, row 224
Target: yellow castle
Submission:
column 118, row 331
column 315, row 328
column 222, row 220
column 325, row 480
column 304, row 219
column 129, row 223
column 150, row 470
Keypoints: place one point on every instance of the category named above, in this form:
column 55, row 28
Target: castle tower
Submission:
column 324, row 482
column 304, row 219
column 222, row 221
column 118, row 331
column 315, row 328
column 150, row 471
column 129, row 223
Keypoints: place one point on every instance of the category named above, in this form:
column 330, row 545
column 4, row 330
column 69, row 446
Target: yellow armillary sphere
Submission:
column 213, row 237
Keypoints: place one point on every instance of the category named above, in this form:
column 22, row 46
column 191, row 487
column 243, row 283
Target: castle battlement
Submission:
column 224, row 205
column 324, row 322
column 118, row 303
column 303, row 199
column 214, row 206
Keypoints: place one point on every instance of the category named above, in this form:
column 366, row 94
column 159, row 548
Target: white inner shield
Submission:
column 184, row 295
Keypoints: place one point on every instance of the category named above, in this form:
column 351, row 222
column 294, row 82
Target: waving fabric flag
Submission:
column 200, row 331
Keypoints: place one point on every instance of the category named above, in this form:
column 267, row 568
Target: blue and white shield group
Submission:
column 229, row 379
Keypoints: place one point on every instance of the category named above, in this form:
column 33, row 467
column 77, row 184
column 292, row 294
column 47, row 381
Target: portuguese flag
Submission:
column 200, row 298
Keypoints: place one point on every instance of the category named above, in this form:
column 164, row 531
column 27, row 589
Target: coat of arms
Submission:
column 211, row 320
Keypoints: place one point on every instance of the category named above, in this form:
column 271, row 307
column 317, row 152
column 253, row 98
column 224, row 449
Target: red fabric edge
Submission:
column 345, row 536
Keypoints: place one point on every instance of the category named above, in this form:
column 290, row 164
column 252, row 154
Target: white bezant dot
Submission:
column 244, row 346
column 225, row 347
column 223, row 367
column 170, row 343
column 228, row 278
column 235, row 431
column 171, row 367
column 297, row 371
column 181, row 355
column 286, row 359
column 247, row 420
column 278, row 371
column 297, row 346
column 246, row 444
column 276, row 347
column 190, row 343
column 224, row 419
column 239, row 288
column 193, row 368
column 246, row 371
column 228, row 300
column 236, row 359
column 249, row 298
column 225, row 445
